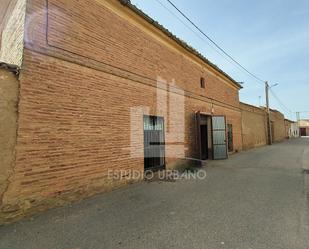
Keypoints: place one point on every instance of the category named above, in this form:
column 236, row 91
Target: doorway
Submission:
column 230, row 137
column 154, row 143
column 211, row 135
column 204, row 141
column 203, row 136
column 303, row 132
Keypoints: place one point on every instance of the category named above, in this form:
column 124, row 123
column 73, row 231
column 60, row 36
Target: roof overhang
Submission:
column 183, row 44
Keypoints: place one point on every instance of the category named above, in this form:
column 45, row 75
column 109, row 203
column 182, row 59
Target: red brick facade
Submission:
column 278, row 123
column 86, row 66
column 254, row 126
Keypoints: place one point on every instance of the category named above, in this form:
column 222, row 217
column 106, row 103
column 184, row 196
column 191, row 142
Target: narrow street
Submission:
column 257, row 199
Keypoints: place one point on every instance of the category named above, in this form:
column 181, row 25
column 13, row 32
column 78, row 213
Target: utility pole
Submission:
column 298, row 121
column 269, row 136
column 298, row 116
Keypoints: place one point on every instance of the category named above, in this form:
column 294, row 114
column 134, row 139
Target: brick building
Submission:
column 278, row 130
column 100, row 86
column 304, row 127
column 291, row 128
column 254, row 126
column 103, row 87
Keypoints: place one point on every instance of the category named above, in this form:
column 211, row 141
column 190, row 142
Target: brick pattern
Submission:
column 279, row 126
column 254, row 126
column 115, row 43
column 70, row 134
column 76, row 103
column 289, row 128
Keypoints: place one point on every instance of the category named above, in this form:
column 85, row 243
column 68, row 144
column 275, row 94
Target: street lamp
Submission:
column 273, row 85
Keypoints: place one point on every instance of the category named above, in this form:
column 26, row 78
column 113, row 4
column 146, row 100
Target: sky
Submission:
column 270, row 38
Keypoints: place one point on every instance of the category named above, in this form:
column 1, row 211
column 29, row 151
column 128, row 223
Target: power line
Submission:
column 197, row 34
column 171, row 12
column 229, row 56
column 217, row 47
column 214, row 43
column 281, row 103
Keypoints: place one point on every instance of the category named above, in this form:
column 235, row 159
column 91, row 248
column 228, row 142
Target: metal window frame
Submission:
column 161, row 167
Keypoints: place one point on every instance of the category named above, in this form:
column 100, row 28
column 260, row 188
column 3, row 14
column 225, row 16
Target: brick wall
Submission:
column 82, row 103
column 80, row 100
column 288, row 128
column 279, row 132
column 254, row 129
column 254, row 126
column 116, row 43
column 91, row 70
column 12, row 32
column 71, row 134
column 304, row 124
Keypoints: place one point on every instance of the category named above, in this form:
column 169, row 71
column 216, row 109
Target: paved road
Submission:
column 256, row 199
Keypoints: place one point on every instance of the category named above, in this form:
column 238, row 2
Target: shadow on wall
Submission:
column 8, row 125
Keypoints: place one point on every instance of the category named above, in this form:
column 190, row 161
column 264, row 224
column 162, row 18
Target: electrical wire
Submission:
column 197, row 34
column 228, row 55
column 218, row 49
column 214, row 43
column 281, row 103
column 284, row 107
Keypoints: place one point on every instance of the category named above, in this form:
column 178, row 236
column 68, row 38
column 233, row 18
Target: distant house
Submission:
column 304, row 127
column 291, row 128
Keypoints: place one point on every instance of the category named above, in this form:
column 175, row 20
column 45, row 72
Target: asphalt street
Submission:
column 254, row 200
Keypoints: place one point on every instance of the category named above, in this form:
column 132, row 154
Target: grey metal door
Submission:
column 219, row 137
column 154, row 143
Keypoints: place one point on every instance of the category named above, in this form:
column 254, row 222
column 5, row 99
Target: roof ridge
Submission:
column 182, row 43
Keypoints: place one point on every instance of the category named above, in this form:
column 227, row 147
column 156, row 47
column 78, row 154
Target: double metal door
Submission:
column 218, row 136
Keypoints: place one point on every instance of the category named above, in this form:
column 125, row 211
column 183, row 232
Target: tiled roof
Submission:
column 176, row 39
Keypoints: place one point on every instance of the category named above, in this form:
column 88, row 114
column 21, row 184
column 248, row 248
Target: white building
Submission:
column 294, row 130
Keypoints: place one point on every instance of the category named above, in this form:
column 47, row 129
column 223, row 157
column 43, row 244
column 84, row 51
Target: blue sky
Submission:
column 269, row 37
